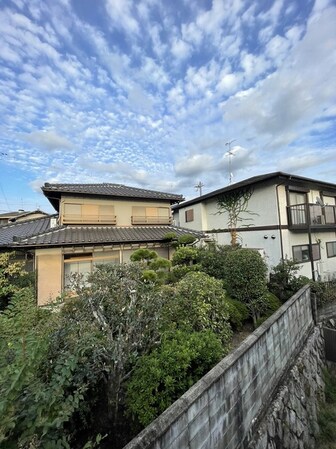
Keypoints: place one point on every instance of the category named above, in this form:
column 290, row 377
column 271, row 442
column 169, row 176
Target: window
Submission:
column 88, row 213
column 150, row 215
column 301, row 253
column 83, row 264
column 331, row 249
column 189, row 215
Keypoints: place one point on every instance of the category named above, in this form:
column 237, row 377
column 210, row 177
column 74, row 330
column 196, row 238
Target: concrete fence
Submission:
column 221, row 410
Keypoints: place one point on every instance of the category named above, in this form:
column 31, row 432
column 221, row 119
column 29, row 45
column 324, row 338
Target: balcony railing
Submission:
column 89, row 219
column 152, row 220
column 302, row 216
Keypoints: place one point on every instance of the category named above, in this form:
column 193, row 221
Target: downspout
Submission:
column 279, row 215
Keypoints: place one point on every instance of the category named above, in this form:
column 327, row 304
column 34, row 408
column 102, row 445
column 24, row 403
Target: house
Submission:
column 95, row 223
column 20, row 215
column 282, row 215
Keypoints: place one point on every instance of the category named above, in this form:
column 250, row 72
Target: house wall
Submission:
column 50, row 264
column 122, row 209
column 49, row 267
column 269, row 203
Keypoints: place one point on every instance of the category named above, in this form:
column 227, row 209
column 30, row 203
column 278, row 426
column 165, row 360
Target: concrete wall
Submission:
column 220, row 410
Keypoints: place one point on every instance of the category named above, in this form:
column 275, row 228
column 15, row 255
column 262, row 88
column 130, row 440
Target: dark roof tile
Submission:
column 108, row 189
column 23, row 229
column 78, row 235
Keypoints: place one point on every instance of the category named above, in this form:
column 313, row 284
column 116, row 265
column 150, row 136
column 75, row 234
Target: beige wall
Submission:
column 49, row 267
column 122, row 208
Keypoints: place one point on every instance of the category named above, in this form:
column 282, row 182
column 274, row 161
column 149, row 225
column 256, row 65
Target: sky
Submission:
column 164, row 94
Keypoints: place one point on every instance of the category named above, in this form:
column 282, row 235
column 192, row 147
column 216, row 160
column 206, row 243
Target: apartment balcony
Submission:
column 151, row 220
column 302, row 217
column 89, row 219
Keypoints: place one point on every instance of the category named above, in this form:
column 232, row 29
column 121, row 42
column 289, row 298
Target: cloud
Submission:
column 295, row 94
column 48, row 140
column 120, row 13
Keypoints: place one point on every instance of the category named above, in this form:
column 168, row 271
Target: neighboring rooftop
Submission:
column 81, row 235
column 275, row 177
column 54, row 192
column 14, row 231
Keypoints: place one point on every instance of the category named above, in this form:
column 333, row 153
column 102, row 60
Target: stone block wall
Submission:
column 291, row 419
column 221, row 410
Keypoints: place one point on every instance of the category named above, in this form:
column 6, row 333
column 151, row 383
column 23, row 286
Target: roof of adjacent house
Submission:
column 275, row 177
column 54, row 192
column 21, row 214
column 83, row 235
column 23, row 229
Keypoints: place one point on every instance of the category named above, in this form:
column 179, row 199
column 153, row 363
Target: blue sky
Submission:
column 147, row 93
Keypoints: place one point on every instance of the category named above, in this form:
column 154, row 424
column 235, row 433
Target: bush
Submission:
column 212, row 260
column 284, row 281
column 238, row 313
column 198, row 302
column 163, row 376
column 185, row 256
column 245, row 279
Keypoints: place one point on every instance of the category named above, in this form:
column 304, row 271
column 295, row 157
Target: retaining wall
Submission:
column 221, row 410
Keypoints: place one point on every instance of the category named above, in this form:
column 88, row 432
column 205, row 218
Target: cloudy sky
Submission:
column 150, row 93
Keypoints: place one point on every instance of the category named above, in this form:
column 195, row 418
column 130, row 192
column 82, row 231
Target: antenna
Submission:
column 199, row 187
column 230, row 154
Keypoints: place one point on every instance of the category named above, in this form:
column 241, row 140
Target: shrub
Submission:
column 198, row 303
column 284, row 281
column 245, row 279
column 185, row 256
column 212, row 260
column 238, row 312
column 164, row 375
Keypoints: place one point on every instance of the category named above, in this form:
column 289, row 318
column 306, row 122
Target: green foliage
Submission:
column 162, row 376
column 124, row 311
column 284, row 281
column 245, row 279
column 179, row 271
column 38, row 395
column 325, row 291
column 186, row 239
column 185, row 256
column 143, row 255
column 238, row 312
column 212, row 260
column 197, row 302
column 327, row 414
column 235, row 204
column 13, row 276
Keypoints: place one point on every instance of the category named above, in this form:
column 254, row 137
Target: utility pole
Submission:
column 199, row 187
column 230, row 154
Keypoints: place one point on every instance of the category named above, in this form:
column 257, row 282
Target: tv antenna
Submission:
column 199, row 187
column 230, row 153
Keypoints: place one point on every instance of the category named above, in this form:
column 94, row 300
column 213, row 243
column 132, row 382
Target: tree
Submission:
column 245, row 280
column 125, row 312
column 235, row 203
column 13, row 276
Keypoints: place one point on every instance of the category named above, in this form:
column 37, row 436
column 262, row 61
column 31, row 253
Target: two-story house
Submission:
column 286, row 216
column 96, row 223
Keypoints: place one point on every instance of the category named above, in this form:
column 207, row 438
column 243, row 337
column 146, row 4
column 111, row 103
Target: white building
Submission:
column 286, row 216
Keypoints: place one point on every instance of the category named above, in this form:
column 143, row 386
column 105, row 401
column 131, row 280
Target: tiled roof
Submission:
column 22, row 229
column 107, row 189
column 80, row 235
